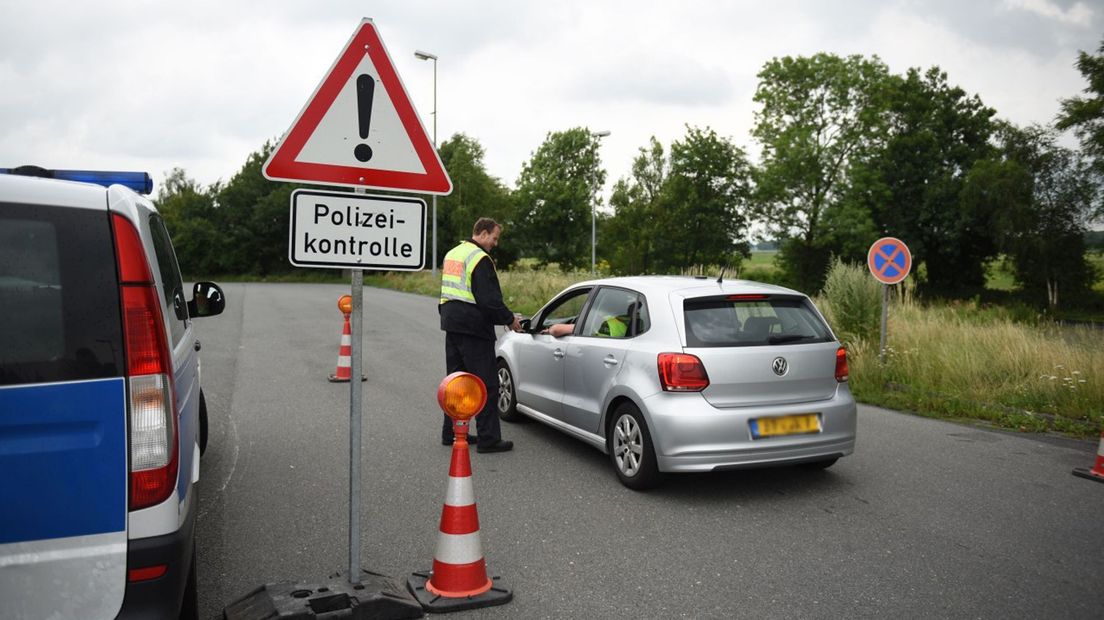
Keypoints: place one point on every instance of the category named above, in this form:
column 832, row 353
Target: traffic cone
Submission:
column 1097, row 472
column 344, row 370
column 459, row 579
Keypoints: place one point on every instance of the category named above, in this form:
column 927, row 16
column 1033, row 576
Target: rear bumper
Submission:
column 160, row 597
column 690, row 435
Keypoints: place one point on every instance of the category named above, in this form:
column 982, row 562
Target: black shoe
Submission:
column 499, row 445
column 448, row 442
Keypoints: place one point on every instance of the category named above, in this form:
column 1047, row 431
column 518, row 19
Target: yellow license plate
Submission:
column 785, row 425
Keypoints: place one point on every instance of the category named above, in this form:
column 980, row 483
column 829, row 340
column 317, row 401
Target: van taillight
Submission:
column 841, row 365
column 682, row 372
column 153, row 450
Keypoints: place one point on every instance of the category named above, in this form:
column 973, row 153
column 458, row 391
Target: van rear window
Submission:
column 59, row 300
column 773, row 320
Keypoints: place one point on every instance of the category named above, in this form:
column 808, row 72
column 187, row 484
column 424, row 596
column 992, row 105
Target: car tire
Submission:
column 631, row 450
column 202, row 423
column 507, row 395
column 822, row 464
column 189, row 607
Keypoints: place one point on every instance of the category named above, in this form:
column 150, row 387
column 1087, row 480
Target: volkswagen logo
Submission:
column 780, row 366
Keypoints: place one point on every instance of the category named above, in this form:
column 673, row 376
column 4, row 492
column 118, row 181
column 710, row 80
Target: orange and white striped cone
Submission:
column 1097, row 471
column 459, row 579
column 344, row 370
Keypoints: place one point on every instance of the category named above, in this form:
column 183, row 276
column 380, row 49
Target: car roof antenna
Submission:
column 720, row 278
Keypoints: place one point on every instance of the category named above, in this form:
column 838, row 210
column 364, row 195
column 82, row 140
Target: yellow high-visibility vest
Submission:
column 617, row 328
column 456, row 273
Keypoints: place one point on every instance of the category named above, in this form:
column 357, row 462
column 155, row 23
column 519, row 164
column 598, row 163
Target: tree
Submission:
column 252, row 213
column 629, row 236
column 912, row 184
column 1043, row 231
column 189, row 215
column 554, row 197
column 475, row 194
column 702, row 215
column 818, row 115
column 1085, row 115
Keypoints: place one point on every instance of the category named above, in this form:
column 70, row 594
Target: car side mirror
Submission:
column 207, row 300
column 527, row 325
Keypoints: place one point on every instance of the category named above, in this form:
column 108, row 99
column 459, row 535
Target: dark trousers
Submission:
column 477, row 356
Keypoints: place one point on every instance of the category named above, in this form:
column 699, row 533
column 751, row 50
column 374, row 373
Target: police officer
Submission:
column 471, row 305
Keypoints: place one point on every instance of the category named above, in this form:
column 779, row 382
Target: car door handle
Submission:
column 610, row 360
column 197, row 345
column 558, row 354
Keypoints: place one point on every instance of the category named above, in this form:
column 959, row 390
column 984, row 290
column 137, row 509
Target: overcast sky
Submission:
column 153, row 85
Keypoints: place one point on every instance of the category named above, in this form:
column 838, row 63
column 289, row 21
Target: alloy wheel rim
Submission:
column 505, row 385
column 628, row 445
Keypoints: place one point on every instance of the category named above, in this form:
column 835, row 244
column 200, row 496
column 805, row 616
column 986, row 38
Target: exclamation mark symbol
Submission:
column 366, row 86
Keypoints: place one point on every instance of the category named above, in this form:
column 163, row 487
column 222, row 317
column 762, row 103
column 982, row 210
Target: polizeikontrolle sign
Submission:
column 343, row 230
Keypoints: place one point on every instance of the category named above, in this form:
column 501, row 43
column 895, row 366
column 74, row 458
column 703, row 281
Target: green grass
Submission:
column 1096, row 259
column 954, row 362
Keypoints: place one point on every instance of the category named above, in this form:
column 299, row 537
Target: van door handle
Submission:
column 197, row 345
column 610, row 360
column 558, row 354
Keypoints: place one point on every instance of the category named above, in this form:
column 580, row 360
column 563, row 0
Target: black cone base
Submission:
column 499, row 594
column 1087, row 473
column 376, row 596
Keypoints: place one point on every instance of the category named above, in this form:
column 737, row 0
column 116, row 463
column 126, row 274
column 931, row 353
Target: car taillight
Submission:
column 153, row 451
column 841, row 365
column 682, row 372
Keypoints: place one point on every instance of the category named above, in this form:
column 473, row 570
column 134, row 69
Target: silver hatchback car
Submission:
column 682, row 374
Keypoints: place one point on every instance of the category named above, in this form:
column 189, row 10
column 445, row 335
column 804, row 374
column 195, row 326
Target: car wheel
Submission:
column 823, row 464
column 202, row 423
column 631, row 449
column 507, row 396
column 189, row 607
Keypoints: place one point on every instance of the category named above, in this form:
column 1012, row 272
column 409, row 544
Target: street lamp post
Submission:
column 593, row 213
column 420, row 55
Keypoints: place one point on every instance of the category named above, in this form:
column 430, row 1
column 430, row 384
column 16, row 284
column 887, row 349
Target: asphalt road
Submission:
column 926, row 519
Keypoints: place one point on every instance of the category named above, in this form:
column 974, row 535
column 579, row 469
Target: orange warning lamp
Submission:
column 345, row 304
column 461, row 395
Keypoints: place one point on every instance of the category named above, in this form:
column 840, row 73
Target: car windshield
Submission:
column 736, row 321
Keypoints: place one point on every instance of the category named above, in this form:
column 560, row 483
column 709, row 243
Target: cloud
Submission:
column 1077, row 15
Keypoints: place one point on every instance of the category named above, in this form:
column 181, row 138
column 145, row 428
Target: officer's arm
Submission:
column 488, row 294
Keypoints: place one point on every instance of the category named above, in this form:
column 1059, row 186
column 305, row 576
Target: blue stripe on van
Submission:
column 63, row 466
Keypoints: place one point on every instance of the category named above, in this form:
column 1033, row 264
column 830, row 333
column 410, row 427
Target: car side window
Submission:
column 564, row 310
column 615, row 313
column 171, row 282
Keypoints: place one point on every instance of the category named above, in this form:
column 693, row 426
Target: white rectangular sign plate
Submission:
column 343, row 230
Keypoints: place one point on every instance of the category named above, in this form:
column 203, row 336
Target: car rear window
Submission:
column 59, row 301
column 738, row 321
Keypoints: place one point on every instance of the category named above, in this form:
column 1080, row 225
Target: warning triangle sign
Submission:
column 359, row 129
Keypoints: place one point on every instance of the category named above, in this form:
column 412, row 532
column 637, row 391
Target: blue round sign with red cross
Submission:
column 889, row 260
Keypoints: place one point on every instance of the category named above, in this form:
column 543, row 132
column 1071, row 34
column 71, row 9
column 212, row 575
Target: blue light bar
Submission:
column 137, row 181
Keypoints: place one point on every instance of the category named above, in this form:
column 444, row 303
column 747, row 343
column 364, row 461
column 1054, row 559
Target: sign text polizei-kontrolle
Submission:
column 343, row 230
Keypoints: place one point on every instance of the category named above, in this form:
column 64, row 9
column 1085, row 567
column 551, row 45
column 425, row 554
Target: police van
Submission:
column 102, row 416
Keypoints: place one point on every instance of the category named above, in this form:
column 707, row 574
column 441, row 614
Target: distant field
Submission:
column 762, row 259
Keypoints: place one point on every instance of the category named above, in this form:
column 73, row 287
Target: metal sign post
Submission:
column 885, row 316
column 355, row 423
column 889, row 261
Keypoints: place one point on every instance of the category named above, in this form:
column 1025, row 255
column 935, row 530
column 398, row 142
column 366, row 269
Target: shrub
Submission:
column 853, row 302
